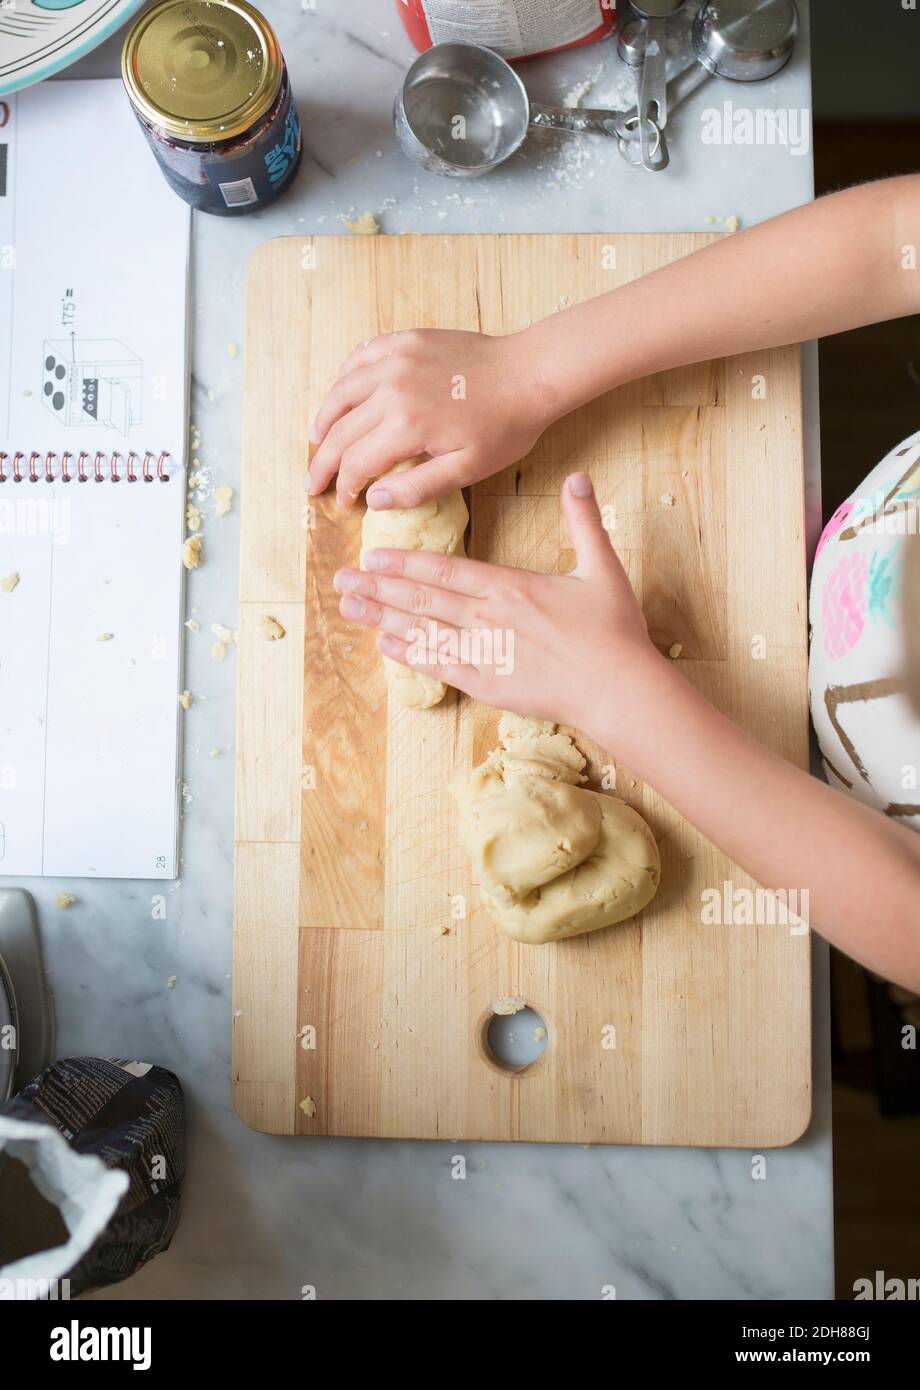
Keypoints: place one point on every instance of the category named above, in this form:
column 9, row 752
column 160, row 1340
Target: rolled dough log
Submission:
column 437, row 526
column 553, row 859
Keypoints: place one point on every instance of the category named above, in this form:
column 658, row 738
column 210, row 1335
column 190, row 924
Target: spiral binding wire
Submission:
column 89, row 468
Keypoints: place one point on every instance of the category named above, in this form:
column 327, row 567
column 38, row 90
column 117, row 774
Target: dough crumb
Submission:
column 186, row 699
column 732, row 223
column 218, row 651
column 308, row 1106
column 193, row 624
column 223, row 500
column 539, row 1034
column 270, row 629
column 667, row 499
column 172, row 981
column 192, row 555
column 65, row 900
column 508, row 1004
column 709, row 219
column 223, row 634
column 193, row 517
column 9, row 582
column 365, row 225
column 214, row 753
column 232, row 349
column 104, row 636
column 675, row 650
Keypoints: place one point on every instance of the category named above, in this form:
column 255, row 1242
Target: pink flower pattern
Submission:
column 843, row 604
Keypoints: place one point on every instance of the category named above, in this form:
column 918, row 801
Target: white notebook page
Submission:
column 93, row 357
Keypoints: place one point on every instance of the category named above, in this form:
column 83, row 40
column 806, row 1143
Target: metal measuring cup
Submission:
column 740, row 40
column 462, row 110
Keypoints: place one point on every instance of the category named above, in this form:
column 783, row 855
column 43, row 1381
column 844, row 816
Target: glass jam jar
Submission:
column 209, row 86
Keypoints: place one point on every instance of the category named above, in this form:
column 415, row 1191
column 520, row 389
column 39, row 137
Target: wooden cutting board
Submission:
column 364, row 966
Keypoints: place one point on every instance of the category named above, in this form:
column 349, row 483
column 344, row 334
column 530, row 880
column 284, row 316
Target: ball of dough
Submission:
column 553, row 859
column 526, row 833
column 437, row 526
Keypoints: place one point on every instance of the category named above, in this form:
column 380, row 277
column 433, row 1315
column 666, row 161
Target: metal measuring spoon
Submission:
column 740, row 40
column 652, row 80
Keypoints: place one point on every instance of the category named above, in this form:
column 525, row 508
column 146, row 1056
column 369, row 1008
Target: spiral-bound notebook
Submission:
column 93, row 407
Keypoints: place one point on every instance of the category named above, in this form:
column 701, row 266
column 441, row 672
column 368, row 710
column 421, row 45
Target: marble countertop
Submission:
column 263, row 1217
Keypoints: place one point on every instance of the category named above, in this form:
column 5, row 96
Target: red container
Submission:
column 513, row 28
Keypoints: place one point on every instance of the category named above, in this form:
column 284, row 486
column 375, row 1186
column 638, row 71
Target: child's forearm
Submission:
column 788, row 830
column 836, row 264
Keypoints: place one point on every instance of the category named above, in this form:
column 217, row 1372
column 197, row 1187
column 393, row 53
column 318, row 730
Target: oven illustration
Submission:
column 92, row 381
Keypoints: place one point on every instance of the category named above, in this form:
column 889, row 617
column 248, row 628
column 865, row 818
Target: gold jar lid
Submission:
column 202, row 70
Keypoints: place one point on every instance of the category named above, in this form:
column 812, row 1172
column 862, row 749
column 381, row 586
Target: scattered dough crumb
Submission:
column 232, row 351
column 732, row 223
column 212, row 394
column 218, row 651
column 667, row 499
column 193, row 516
column 539, row 1034
column 193, row 624
column 308, row 1106
column 223, row 499
column 223, row 634
column 186, row 699
column 214, row 753
column 365, row 225
column 65, row 900
column 172, row 981
column 709, row 219
column 104, row 636
column 270, row 629
column 675, row 650
column 507, row 1004
column 192, row 552
column 9, row 582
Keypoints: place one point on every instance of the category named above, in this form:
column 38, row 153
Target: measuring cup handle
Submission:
column 577, row 120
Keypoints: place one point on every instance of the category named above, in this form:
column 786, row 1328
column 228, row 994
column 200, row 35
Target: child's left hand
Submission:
column 544, row 645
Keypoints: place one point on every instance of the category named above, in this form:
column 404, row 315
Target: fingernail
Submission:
column 352, row 607
column 308, row 483
column 580, row 485
column 314, row 434
column 379, row 499
column 343, row 582
column 389, row 644
column 375, row 560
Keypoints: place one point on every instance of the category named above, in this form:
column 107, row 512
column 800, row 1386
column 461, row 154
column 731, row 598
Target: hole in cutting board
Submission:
column 513, row 1042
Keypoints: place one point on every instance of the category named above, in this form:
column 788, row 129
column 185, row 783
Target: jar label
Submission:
column 515, row 27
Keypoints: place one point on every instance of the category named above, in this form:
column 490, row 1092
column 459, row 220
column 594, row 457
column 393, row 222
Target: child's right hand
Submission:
column 474, row 403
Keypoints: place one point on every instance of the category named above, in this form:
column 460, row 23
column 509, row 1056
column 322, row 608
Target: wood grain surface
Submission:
column 365, row 967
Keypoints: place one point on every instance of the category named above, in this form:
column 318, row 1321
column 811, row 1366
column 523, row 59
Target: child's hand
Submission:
column 552, row 646
column 470, row 401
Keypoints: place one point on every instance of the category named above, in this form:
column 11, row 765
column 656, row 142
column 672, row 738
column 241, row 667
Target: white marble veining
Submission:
column 365, row 1220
